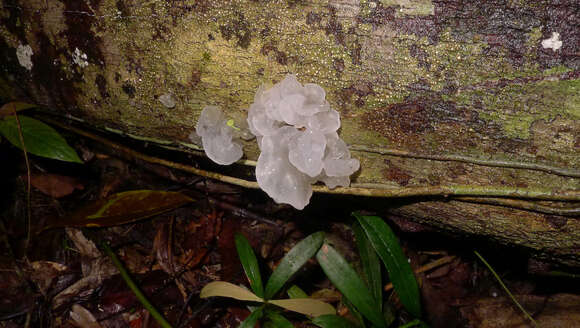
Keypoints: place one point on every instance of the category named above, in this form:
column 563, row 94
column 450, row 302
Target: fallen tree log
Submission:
column 433, row 95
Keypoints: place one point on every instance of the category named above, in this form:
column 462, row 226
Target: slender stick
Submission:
column 386, row 192
column 472, row 160
column 135, row 289
column 27, row 162
column 523, row 204
column 506, row 289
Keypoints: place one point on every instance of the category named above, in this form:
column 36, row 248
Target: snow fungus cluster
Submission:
column 297, row 134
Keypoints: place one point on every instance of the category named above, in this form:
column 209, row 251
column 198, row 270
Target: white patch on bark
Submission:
column 167, row 100
column 80, row 58
column 553, row 43
column 24, row 54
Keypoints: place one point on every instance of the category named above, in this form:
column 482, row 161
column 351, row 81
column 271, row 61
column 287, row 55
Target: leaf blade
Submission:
column 250, row 264
column 293, row 261
column 226, row 289
column 277, row 320
column 343, row 276
column 253, row 318
column 40, row 139
column 307, row 306
column 387, row 247
column 332, row 321
column 370, row 263
column 296, row 292
column 122, row 208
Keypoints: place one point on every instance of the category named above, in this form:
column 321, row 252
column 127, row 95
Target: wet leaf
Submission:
column 387, row 246
column 276, row 320
column 55, row 185
column 307, row 306
column 293, row 261
column 40, row 139
column 343, row 276
column 226, row 289
column 253, row 318
column 296, row 292
column 122, row 208
column 81, row 317
column 371, row 264
column 332, row 321
column 250, row 264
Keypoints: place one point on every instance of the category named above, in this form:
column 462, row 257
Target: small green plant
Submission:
column 39, row 138
column 364, row 296
column 289, row 265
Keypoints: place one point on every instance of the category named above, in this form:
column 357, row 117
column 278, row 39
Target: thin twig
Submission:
column 523, row 204
column 450, row 190
column 135, row 289
column 28, row 187
column 471, row 160
column 506, row 289
column 427, row 267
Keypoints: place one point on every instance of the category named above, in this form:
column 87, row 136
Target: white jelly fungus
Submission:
column 296, row 132
column 217, row 136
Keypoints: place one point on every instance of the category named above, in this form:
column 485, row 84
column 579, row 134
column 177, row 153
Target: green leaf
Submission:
column 293, row 261
column 277, row 320
column 250, row 264
column 332, row 321
column 296, row 292
column 387, row 246
column 226, row 289
column 253, row 318
column 354, row 312
column 307, row 306
column 414, row 323
column 122, row 208
column 371, row 264
column 39, row 138
column 343, row 276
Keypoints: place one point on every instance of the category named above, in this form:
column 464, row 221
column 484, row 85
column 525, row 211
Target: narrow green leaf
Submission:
column 226, row 289
column 253, row 318
column 387, row 246
column 354, row 312
column 39, row 138
column 349, row 283
column 277, row 320
column 293, row 261
column 296, row 292
column 307, row 306
column 332, row 321
column 122, row 208
column 371, row 264
column 250, row 264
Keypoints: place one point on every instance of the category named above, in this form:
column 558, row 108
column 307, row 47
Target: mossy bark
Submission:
column 431, row 77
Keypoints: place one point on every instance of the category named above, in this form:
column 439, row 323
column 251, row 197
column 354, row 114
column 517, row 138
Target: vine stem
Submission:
column 135, row 289
column 378, row 191
column 471, row 160
column 28, row 187
column 489, row 267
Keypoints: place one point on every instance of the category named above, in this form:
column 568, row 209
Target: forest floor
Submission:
column 62, row 277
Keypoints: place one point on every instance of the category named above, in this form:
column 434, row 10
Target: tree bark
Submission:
column 462, row 86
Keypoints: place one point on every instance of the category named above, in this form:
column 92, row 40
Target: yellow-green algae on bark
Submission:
column 427, row 77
